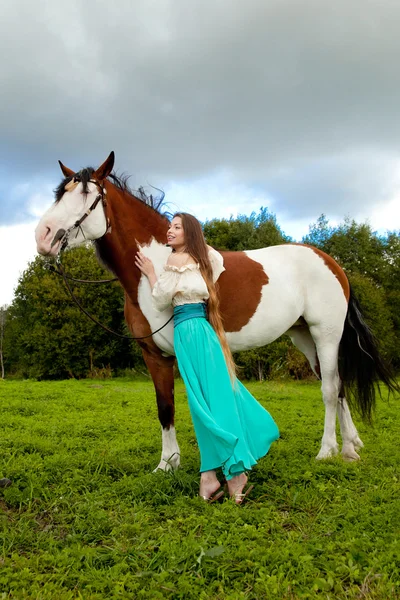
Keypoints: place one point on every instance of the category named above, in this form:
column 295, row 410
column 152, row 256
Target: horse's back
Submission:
column 304, row 266
column 289, row 281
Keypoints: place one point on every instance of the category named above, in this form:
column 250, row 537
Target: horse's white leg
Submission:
column 328, row 350
column 351, row 439
column 329, row 445
column 304, row 341
column 170, row 454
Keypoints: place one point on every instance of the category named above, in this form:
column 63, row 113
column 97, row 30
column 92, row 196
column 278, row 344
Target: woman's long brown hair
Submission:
column 197, row 248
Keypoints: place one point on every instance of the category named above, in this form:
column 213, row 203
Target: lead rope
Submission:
column 120, row 335
column 53, row 269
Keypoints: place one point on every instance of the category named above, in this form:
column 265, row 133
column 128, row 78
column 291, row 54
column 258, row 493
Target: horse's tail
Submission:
column 360, row 362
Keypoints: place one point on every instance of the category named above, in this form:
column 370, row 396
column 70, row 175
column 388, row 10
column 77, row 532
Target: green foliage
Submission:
column 245, row 232
column 278, row 360
column 372, row 263
column 86, row 517
column 377, row 314
column 356, row 248
column 47, row 336
column 319, row 233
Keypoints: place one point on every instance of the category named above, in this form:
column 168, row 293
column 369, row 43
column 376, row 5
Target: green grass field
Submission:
column 87, row 518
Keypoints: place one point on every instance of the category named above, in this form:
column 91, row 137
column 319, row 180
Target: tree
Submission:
column 245, row 232
column 47, row 334
column 372, row 263
column 3, row 313
column 319, row 233
column 376, row 312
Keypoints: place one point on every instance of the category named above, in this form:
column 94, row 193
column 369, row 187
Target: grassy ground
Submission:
column 87, row 518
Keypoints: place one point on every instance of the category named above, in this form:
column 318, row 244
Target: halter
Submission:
column 63, row 235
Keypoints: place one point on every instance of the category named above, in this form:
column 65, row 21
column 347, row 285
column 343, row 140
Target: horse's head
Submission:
column 69, row 221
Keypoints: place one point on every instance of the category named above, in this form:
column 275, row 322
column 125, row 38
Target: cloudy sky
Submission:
column 227, row 105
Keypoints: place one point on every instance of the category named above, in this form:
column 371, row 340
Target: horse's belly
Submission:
column 277, row 311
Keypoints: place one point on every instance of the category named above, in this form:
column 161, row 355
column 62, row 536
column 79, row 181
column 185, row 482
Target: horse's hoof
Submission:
column 350, row 456
column 163, row 466
column 328, row 453
column 169, row 465
column 322, row 456
column 5, row 483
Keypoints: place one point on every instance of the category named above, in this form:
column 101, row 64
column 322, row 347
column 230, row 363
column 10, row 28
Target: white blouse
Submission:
column 184, row 285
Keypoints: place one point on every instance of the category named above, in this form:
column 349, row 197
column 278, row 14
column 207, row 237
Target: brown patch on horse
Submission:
column 237, row 308
column 334, row 268
column 161, row 367
column 147, row 223
column 139, row 326
column 131, row 223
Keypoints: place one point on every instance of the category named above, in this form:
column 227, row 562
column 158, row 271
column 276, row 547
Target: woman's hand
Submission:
column 146, row 266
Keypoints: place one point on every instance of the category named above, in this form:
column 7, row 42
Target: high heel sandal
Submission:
column 214, row 497
column 240, row 498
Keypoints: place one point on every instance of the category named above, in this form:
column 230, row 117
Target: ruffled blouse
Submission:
column 184, row 285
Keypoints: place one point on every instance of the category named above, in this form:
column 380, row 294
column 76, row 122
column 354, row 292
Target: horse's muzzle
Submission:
column 59, row 235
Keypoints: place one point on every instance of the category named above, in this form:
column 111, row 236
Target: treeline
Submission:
column 45, row 335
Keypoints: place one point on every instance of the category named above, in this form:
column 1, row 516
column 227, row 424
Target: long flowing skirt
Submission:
column 232, row 429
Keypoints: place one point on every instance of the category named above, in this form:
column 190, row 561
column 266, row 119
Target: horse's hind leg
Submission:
column 302, row 339
column 324, row 364
column 328, row 351
column 350, row 437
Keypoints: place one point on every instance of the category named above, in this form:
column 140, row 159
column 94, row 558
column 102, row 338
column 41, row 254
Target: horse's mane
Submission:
column 156, row 203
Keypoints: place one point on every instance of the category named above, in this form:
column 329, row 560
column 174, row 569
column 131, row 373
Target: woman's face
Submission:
column 176, row 235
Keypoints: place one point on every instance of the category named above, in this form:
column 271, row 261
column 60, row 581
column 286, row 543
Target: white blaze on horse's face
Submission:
column 63, row 214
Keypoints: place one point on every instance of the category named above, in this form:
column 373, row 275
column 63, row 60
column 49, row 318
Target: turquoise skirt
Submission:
column 232, row 429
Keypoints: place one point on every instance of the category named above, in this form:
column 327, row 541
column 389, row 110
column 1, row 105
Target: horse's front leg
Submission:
column 162, row 372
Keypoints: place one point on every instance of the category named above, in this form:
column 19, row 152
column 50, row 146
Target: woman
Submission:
column 233, row 430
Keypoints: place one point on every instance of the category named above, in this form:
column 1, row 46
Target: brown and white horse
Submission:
column 292, row 289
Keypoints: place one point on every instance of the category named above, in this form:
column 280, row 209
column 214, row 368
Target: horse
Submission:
column 291, row 289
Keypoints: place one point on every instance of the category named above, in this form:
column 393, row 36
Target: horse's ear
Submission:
column 105, row 169
column 67, row 172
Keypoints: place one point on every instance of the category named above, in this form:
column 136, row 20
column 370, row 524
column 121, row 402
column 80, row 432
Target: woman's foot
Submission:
column 209, row 485
column 236, row 486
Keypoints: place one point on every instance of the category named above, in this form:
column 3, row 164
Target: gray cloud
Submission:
column 286, row 94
